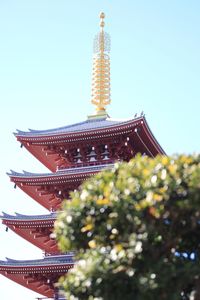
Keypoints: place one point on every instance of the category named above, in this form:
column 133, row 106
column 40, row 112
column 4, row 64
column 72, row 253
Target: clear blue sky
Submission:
column 45, row 80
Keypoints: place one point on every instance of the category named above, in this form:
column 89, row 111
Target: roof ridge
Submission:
column 89, row 124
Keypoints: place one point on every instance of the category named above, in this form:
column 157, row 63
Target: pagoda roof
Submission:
column 50, row 260
column 35, row 229
column 89, row 129
column 54, row 147
column 70, row 172
column 39, row 275
column 88, row 125
column 49, row 189
column 22, row 217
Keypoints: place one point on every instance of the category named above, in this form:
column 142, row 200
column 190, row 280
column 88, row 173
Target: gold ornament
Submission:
column 101, row 70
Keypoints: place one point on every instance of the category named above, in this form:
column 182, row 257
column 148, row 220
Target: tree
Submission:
column 136, row 232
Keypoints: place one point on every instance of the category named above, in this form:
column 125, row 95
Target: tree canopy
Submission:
column 135, row 231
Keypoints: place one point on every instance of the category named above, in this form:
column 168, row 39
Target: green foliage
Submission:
column 136, row 231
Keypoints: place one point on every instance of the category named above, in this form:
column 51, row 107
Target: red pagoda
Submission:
column 72, row 153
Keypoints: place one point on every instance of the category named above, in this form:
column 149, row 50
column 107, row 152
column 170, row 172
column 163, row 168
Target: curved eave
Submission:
column 38, row 276
column 73, row 136
column 39, row 239
column 37, row 185
column 49, row 200
column 24, row 224
column 69, row 173
column 41, row 266
column 49, row 260
column 150, row 141
column 38, row 145
column 49, row 180
column 29, row 282
column 36, row 231
column 20, row 218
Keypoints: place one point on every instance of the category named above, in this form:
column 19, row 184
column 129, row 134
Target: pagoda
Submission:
column 72, row 153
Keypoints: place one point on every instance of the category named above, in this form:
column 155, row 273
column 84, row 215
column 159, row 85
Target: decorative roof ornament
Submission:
column 101, row 71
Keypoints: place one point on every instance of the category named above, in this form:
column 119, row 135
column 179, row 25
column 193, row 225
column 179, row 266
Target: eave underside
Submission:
column 36, row 229
column 38, row 236
column 40, row 282
column 39, row 275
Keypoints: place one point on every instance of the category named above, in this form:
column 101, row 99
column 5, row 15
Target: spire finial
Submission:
column 102, row 17
column 101, row 70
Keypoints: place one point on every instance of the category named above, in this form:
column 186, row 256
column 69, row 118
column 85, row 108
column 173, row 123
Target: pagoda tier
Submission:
column 38, row 275
column 51, row 188
column 98, row 140
column 35, row 229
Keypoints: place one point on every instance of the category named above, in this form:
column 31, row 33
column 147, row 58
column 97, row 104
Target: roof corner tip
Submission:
column 8, row 259
column 17, row 132
column 11, row 173
column 2, row 215
column 139, row 116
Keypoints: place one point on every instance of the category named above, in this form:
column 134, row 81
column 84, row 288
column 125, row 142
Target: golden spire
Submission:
column 101, row 70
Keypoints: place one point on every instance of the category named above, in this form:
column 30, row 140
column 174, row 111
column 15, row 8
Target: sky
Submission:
column 45, row 82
